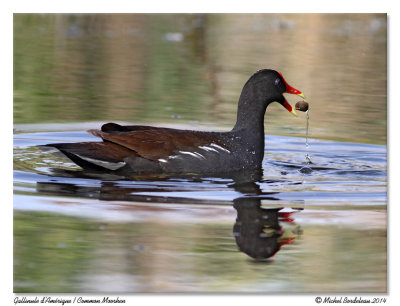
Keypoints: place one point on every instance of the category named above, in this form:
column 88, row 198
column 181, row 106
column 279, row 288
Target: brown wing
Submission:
column 92, row 155
column 154, row 143
column 96, row 150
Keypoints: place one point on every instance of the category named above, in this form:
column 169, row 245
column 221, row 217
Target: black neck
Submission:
column 250, row 124
column 251, row 111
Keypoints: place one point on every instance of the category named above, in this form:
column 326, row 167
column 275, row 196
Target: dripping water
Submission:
column 308, row 117
column 307, row 145
column 306, row 169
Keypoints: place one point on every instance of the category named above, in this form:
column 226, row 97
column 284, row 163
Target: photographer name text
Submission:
column 66, row 301
column 348, row 300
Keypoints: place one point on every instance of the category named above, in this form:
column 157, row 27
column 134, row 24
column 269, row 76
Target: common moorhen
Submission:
column 146, row 149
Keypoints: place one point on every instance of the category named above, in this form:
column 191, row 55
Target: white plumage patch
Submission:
column 219, row 147
column 199, row 155
column 102, row 163
column 208, row 148
column 194, row 154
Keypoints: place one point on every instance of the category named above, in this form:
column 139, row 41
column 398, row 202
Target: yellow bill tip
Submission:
column 302, row 95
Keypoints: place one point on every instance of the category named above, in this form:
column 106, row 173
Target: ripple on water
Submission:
column 343, row 173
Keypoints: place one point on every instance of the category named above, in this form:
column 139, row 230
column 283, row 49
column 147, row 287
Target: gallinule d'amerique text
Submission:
column 147, row 149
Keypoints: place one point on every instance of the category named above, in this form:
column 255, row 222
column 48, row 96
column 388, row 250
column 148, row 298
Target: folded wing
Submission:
column 144, row 143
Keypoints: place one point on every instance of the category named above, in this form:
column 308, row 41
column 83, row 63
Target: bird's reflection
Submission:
column 258, row 230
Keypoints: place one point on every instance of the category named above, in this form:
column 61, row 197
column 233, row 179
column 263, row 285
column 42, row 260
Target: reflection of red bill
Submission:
column 283, row 241
column 287, row 241
column 285, row 216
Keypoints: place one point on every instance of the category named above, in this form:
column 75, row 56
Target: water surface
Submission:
column 325, row 230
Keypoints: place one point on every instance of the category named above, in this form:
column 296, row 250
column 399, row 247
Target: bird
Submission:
column 141, row 149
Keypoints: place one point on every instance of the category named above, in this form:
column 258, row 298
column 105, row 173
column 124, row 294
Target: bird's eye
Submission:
column 277, row 82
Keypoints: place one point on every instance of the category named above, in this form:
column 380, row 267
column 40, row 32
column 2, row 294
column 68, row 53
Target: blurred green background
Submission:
column 186, row 68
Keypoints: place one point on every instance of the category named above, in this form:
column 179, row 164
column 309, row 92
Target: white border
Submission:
column 179, row 6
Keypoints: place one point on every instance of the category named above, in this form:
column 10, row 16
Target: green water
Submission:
column 64, row 254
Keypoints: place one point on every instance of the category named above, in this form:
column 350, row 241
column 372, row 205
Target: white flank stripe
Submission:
column 208, row 148
column 162, row 160
column 191, row 153
column 199, row 155
column 102, row 163
column 219, row 147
